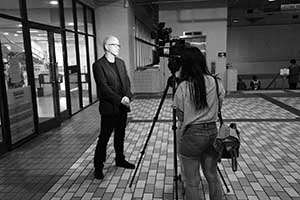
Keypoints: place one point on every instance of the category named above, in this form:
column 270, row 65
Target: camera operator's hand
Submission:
column 125, row 101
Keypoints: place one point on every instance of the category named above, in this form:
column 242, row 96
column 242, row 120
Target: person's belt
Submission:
column 203, row 125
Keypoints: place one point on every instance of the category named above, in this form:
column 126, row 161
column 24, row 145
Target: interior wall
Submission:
column 212, row 22
column 113, row 19
column 118, row 19
column 263, row 49
column 131, row 35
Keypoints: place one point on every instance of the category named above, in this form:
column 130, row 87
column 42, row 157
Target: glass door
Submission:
column 2, row 146
column 49, row 77
column 60, row 75
column 73, row 71
column 15, row 92
column 2, row 70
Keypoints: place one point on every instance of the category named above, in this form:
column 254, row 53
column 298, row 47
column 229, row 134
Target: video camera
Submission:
column 173, row 50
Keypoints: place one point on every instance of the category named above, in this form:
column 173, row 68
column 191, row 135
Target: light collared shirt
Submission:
column 183, row 102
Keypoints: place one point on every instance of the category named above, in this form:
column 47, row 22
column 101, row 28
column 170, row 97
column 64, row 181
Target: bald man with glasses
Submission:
column 113, row 90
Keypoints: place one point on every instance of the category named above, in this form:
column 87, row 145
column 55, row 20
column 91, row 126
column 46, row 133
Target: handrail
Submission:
column 273, row 80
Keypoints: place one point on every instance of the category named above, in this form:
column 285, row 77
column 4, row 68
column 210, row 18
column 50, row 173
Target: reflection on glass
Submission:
column 42, row 74
column 73, row 72
column 90, row 21
column 60, row 72
column 80, row 18
column 1, row 138
column 16, row 82
column 83, row 70
column 69, row 20
column 92, row 60
column 10, row 7
column 70, row 37
column 46, row 12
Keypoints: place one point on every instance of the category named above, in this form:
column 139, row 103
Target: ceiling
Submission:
column 258, row 4
column 246, row 12
column 232, row 4
column 262, row 12
column 263, row 5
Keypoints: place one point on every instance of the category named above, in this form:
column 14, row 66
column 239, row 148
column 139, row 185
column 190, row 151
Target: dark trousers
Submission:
column 110, row 123
column 293, row 85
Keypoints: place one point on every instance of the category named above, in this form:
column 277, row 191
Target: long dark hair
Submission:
column 193, row 69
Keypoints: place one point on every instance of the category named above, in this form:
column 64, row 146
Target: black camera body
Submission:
column 173, row 50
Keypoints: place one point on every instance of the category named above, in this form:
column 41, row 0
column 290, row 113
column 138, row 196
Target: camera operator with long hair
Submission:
column 196, row 105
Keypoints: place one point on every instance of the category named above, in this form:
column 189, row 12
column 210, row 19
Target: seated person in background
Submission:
column 255, row 83
column 241, row 85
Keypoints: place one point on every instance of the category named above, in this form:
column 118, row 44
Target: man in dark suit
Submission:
column 113, row 90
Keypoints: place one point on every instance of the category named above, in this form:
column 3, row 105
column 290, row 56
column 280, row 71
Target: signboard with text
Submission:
column 20, row 113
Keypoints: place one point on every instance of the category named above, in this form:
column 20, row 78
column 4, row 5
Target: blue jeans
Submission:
column 196, row 147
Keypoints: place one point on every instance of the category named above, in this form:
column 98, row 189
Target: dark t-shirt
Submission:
column 119, row 82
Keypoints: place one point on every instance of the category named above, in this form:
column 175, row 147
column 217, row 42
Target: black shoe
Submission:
column 125, row 164
column 98, row 174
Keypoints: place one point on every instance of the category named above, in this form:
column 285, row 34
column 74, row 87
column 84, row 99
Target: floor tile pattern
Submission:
column 291, row 101
column 30, row 171
column 58, row 164
column 145, row 109
column 233, row 108
column 295, row 91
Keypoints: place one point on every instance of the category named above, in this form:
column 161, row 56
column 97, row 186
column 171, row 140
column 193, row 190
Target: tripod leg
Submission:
column 150, row 133
column 223, row 179
column 172, row 83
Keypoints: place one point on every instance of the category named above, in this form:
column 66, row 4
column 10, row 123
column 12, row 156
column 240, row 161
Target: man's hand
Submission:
column 125, row 101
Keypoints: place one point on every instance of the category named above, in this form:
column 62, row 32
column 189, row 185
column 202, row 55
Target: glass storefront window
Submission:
column 60, row 74
column 16, row 82
column 92, row 60
column 70, row 39
column 10, row 7
column 72, row 71
column 69, row 20
column 45, row 12
column 90, row 21
column 83, row 70
column 1, row 138
column 42, row 73
column 80, row 17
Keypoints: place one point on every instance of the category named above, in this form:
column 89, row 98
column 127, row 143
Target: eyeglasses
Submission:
column 116, row 45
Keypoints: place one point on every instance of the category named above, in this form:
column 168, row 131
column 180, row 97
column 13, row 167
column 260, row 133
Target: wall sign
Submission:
column 20, row 113
column 222, row 54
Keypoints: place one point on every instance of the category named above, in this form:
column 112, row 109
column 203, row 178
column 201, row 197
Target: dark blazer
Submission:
column 106, row 81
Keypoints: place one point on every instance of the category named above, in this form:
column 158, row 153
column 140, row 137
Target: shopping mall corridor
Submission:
column 59, row 164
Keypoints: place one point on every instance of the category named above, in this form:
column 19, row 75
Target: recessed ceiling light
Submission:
column 235, row 20
column 271, row 0
column 53, row 2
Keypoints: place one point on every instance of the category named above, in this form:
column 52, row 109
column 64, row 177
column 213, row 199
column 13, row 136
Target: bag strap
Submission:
column 219, row 103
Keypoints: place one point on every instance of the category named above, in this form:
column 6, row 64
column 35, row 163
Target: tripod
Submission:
column 170, row 83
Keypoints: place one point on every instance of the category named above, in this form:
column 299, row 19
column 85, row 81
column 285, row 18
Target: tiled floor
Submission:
column 58, row 164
